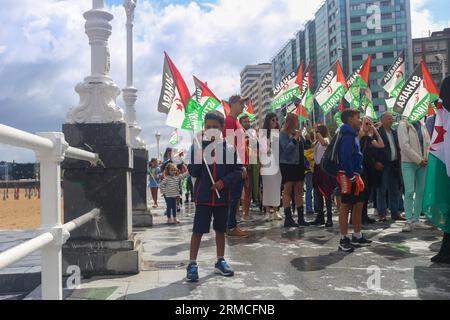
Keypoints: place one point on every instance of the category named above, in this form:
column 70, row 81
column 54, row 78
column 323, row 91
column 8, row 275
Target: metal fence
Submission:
column 51, row 149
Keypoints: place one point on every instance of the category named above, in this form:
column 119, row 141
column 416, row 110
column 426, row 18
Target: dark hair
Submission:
column 216, row 116
column 166, row 154
column 154, row 160
column 243, row 116
column 267, row 121
column 347, row 114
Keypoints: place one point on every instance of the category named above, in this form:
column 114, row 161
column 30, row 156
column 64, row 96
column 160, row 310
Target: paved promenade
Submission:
column 275, row 263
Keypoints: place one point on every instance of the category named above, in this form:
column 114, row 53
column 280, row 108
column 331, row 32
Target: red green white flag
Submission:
column 307, row 95
column 358, row 80
column 174, row 96
column 332, row 88
column 436, row 199
column 206, row 98
column 288, row 89
column 417, row 94
column 367, row 104
column 394, row 79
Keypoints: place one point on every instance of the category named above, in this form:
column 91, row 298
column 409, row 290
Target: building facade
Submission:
column 256, row 82
column 284, row 62
column 434, row 50
column 350, row 31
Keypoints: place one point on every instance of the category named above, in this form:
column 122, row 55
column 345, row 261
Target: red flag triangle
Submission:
column 365, row 71
column 179, row 81
column 340, row 74
column 299, row 80
column 206, row 92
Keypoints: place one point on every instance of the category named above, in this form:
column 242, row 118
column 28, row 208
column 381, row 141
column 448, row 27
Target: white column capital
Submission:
column 130, row 6
column 98, row 92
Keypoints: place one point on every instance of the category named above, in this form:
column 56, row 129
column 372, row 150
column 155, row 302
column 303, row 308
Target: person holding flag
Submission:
column 207, row 204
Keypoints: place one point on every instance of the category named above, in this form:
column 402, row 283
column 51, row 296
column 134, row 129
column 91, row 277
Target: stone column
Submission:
column 142, row 216
column 97, row 124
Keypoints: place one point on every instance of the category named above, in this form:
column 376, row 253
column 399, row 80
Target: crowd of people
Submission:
column 380, row 165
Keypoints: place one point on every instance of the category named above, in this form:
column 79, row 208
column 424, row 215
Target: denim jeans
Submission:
column 236, row 193
column 309, row 192
column 414, row 178
column 388, row 193
column 171, row 207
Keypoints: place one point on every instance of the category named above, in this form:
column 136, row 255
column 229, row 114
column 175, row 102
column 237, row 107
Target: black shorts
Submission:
column 352, row 199
column 292, row 172
column 203, row 215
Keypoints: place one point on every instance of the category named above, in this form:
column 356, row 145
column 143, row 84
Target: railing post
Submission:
column 50, row 166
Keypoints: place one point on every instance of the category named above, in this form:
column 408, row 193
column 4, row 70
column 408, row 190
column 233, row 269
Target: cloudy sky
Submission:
column 44, row 52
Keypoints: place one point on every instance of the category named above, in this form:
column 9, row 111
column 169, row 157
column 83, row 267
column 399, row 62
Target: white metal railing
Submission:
column 51, row 149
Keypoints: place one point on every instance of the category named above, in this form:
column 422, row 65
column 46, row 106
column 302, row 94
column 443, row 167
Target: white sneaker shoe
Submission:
column 408, row 227
column 278, row 216
column 422, row 226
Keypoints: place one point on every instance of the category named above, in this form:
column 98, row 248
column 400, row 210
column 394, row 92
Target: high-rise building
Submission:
column 284, row 62
column 434, row 50
column 310, row 48
column 350, row 30
column 256, row 82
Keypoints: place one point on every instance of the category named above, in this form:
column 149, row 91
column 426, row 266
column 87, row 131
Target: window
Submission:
column 357, row 57
column 371, row 44
column 356, row 32
column 355, row 20
column 357, row 45
column 388, row 42
column 387, row 29
column 388, row 55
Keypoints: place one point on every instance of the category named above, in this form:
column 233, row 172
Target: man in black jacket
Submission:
column 388, row 192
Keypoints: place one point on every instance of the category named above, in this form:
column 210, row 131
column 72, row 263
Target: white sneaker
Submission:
column 408, row 227
column 422, row 226
column 278, row 216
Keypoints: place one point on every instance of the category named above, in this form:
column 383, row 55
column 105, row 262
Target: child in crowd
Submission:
column 170, row 188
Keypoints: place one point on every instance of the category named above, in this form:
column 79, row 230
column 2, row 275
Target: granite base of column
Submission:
column 103, row 258
column 142, row 216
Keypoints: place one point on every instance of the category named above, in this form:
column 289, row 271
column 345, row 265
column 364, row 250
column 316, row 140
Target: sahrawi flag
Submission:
column 206, row 98
column 332, row 88
column 248, row 110
column 306, row 91
column 394, row 79
column 358, row 80
column 174, row 96
column 367, row 104
column 287, row 89
column 174, row 139
column 417, row 94
column 436, row 200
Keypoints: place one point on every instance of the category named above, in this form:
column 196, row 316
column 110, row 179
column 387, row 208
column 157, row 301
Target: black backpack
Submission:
column 330, row 159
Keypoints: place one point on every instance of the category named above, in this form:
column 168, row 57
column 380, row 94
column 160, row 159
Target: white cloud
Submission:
column 44, row 51
column 422, row 20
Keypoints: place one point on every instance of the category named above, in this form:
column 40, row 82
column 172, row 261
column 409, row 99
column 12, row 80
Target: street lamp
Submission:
column 440, row 58
column 158, row 138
